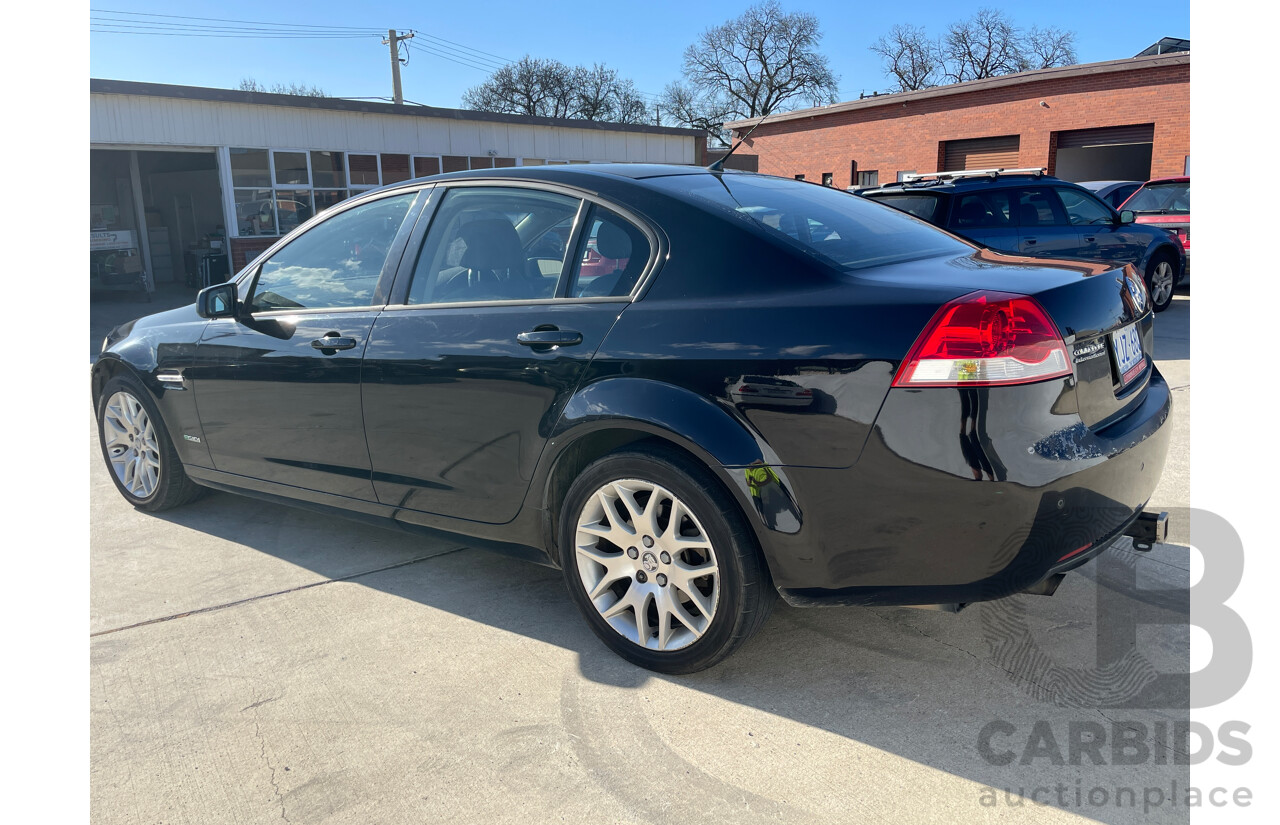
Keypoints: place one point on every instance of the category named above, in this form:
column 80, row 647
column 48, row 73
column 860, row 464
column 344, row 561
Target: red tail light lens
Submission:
column 986, row 339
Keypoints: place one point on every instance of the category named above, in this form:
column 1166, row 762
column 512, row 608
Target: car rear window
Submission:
column 924, row 207
column 838, row 228
column 1166, row 198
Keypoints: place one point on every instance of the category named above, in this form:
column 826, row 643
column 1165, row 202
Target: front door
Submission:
column 278, row 387
column 1102, row 236
column 464, row 379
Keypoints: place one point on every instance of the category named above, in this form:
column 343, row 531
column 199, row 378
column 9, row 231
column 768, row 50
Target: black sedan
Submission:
column 551, row 362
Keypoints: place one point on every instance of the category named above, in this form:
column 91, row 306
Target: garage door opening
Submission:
column 1115, row 153
column 979, row 153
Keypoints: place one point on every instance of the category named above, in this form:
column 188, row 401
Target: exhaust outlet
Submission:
column 1046, row 587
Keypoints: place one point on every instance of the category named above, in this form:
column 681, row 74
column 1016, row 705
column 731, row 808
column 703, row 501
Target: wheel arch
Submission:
column 613, row 414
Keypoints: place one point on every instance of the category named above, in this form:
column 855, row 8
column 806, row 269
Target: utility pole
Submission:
column 393, row 40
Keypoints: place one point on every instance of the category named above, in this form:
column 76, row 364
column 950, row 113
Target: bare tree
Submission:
column 988, row 44
column 549, row 88
column 248, row 84
column 763, row 61
column 910, row 57
column 985, row 45
column 1048, row 47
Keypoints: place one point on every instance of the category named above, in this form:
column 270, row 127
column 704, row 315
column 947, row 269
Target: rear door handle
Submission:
column 550, row 338
column 1089, row 239
column 334, row 341
column 1029, row 241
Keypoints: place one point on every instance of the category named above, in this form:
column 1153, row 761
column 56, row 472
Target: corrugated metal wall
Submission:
column 138, row 120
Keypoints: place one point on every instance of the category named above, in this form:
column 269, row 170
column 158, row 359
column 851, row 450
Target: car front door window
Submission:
column 336, row 265
column 1083, row 210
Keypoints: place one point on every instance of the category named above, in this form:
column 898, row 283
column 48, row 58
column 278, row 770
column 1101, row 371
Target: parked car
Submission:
column 1040, row 216
column 770, row 391
column 1112, row 192
column 988, row 423
column 1165, row 203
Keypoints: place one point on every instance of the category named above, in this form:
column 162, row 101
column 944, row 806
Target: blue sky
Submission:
column 644, row 46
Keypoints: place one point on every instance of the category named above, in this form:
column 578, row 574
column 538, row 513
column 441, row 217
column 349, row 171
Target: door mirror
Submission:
column 1127, row 216
column 217, row 301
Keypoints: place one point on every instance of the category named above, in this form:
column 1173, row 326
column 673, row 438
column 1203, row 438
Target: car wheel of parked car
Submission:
column 659, row 559
column 1161, row 277
column 141, row 457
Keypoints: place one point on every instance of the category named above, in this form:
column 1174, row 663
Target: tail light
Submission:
column 747, row 388
column 986, row 339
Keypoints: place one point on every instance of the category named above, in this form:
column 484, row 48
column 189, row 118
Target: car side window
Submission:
column 490, row 243
column 334, row 265
column 614, row 254
column 1039, row 207
column 1083, row 209
column 983, row 210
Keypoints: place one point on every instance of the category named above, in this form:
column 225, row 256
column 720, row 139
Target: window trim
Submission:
column 399, row 290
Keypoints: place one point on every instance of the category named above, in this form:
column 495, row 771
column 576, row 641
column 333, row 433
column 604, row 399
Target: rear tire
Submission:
column 634, row 574
column 137, row 449
column 1162, row 276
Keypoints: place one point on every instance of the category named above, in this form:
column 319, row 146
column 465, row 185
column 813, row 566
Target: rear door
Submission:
column 487, row 337
column 986, row 217
column 275, row 402
column 1043, row 228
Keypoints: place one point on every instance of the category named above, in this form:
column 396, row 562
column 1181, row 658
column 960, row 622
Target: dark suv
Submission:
column 1042, row 216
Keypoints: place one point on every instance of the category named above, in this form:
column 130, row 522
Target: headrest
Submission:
column 492, row 243
column 612, row 241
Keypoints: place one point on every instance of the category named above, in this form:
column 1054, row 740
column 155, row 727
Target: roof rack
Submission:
column 973, row 173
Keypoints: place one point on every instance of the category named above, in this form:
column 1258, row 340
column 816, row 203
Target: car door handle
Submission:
column 1029, row 241
column 1089, row 239
column 334, row 341
column 550, row 338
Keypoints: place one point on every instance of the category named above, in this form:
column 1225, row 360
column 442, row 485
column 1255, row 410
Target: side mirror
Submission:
column 217, row 301
column 1127, row 216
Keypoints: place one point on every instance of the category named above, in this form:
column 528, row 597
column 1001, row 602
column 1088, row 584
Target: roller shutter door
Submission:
column 1111, row 136
column 980, row 153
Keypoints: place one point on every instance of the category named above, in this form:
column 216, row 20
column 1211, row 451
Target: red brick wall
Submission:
column 241, row 247
column 906, row 136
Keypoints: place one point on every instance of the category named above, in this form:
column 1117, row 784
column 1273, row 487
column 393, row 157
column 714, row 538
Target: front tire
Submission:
column 138, row 452
column 1162, row 275
column 660, row 561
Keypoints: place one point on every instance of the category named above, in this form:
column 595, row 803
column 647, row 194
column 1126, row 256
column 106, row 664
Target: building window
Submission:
column 828, row 179
column 424, row 165
column 799, row 177
column 870, row 177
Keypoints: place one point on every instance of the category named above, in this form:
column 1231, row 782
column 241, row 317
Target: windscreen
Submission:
column 838, row 228
column 1165, row 198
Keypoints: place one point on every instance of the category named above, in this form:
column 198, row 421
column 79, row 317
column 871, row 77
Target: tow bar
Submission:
column 1148, row 530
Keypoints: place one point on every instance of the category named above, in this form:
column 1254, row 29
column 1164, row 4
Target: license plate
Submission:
column 1128, row 349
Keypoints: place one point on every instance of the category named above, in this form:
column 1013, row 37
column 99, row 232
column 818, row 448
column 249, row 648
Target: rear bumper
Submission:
column 1005, row 489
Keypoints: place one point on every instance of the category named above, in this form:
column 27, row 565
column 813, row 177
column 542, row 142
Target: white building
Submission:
column 189, row 183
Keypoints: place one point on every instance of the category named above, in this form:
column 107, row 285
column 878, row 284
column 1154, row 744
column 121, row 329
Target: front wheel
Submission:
column 1161, row 276
column 140, row 457
column 660, row 561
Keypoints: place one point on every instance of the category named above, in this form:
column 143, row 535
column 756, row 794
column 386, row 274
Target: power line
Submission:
column 226, row 20
column 446, row 50
column 282, row 36
column 454, row 59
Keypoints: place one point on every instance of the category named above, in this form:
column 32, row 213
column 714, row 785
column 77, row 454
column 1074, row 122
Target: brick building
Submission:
column 1115, row 120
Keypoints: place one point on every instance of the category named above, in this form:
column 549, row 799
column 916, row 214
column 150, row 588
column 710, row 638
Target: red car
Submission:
column 1166, row 203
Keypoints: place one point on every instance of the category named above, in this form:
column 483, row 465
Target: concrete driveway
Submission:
column 255, row 663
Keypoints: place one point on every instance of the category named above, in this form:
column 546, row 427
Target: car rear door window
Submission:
column 614, row 254
column 489, row 243
column 335, row 265
column 1082, row 209
column 1039, row 207
column 983, row 210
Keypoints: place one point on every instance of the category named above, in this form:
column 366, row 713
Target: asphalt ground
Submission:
column 257, row 663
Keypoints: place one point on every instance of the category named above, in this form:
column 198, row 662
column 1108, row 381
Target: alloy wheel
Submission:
column 1162, row 283
column 647, row 564
column 131, row 444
